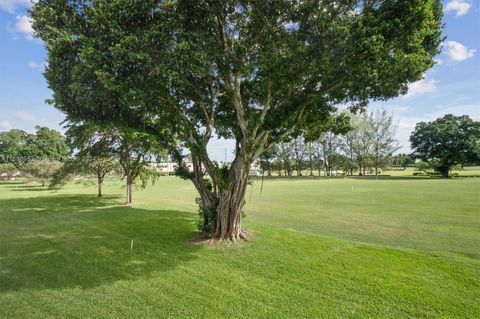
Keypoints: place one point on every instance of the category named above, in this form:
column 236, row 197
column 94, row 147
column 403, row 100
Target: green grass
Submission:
column 322, row 248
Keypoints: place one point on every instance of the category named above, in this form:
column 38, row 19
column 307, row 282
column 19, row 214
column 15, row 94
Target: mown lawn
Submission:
column 322, row 248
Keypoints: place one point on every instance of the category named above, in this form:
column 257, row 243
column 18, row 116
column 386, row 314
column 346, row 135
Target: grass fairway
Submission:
column 388, row 248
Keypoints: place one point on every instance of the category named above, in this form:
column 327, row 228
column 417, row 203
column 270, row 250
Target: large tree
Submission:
column 447, row 141
column 254, row 71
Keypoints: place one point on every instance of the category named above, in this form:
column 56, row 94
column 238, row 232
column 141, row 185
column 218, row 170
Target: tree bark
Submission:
column 99, row 184
column 311, row 165
column 444, row 172
column 207, row 196
column 128, row 199
column 228, row 224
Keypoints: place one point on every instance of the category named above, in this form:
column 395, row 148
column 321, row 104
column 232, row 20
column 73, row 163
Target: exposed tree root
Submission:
column 204, row 239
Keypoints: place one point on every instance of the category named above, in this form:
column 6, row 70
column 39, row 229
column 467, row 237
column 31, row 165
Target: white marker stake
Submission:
column 131, row 245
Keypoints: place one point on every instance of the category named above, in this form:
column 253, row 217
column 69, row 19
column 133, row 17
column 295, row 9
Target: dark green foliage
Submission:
column 140, row 63
column 207, row 216
column 402, row 160
column 255, row 71
column 447, row 141
column 18, row 147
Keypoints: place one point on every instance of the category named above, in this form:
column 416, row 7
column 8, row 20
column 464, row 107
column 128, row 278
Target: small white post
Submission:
column 131, row 245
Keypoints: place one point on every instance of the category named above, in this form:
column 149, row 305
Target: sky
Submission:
column 451, row 86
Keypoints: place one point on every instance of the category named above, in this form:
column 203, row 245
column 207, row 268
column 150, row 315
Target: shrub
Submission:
column 42, row 170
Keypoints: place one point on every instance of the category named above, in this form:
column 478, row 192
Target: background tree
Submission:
column 384, row 141
column 422, row 166
column 285, row 156
column 12, row 146
column 447, row 141
column 310, row 155
column 8, row 169
column 42, row 170
column 402, row 160
column 362, row 137
column 266, row 159
column 85, row 164
column 50, row 144
column 329, row 145
column 348, row 148
column 136, row 152
column 298, row 150
column 254, row 71
column 95, row 152
column 18, row 147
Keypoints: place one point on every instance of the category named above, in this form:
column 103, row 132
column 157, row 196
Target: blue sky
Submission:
column 451, row 86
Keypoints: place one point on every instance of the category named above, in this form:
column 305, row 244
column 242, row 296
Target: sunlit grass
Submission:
column 387, row 248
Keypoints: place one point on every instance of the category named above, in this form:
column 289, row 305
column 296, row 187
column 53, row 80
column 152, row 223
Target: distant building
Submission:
column 170, row 167
column 255, row 169
column 9, row 177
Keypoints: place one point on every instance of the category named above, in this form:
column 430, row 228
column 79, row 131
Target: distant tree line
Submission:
column 39, row 154
column 47, row 156
column 370, row 144
column 367, row 146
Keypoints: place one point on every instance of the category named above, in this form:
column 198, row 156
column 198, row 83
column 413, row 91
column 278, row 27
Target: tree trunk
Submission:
column 444, row 172
column 269, row 168
column 228, row 224
column 128, row 199
column 99, row 184
column 207, row 196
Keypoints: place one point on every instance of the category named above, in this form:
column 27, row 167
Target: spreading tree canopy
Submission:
column 254, row 71
column 447, row 141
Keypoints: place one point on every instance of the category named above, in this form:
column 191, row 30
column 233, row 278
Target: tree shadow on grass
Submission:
column 28, row 188
column 11, row 184
column 365, row 177
column 387, row 177
column 66, row 241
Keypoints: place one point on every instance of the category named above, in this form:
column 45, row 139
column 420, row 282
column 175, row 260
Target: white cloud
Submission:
column 23, row 25
column 11, row 5
column 420, row 87
column 25, row 116
column 458, row 52
column 461, row 7
column 438, row 61
column 472, row 110
column 37, row 65
column 5, row 125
